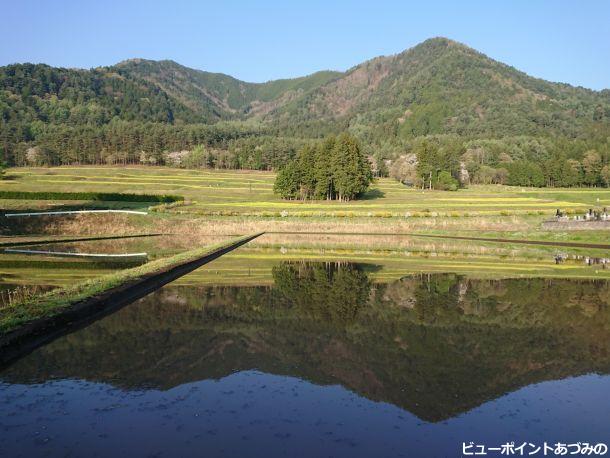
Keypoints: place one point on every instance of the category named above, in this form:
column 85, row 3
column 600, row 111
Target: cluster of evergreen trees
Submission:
column 335, row 169
column 332, row 292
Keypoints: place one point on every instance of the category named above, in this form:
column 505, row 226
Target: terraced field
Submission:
column 249, row 193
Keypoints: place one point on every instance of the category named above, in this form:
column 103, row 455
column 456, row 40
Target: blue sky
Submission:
column 567, row 41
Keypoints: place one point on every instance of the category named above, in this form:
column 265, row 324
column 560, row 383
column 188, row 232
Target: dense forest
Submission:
column 517, row 161
column 439, row 101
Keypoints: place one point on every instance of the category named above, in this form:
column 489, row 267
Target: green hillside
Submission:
column 438, row 87
column 441, row 87
column 67, row 96
column 230, row 97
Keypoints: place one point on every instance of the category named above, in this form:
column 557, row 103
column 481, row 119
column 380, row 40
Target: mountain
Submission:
column 57, row 95
column 441, row 86
column 437, row 87
column 216, row 96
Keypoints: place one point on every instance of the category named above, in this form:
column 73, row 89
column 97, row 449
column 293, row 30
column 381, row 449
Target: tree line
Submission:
column 226, row 145
column 448, row 162
column 333, row 169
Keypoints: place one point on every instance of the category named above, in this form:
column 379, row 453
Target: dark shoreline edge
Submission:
column 23, row 340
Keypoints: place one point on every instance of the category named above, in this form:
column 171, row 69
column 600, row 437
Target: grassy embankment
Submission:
column 49, row 304
column 21, row 271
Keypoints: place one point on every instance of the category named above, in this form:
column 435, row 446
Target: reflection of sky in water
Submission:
column 256, row 414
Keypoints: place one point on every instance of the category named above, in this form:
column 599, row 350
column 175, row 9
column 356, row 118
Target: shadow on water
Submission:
column 435, row 345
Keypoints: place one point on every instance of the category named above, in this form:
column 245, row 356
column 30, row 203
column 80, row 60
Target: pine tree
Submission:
column 307, row 166
column 288, row 181
column 324, row 175
column 350, row 169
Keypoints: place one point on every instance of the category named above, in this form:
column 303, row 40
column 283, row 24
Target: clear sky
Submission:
column 567, row 41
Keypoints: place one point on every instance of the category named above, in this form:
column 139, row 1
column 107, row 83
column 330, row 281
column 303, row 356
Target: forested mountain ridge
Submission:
column 135, row 90
column 232, row 98
column 33, row 92
column 442, row 86
column 439, row 87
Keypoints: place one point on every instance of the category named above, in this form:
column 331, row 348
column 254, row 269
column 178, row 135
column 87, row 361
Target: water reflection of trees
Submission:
column 331, row 292
column 436, row 345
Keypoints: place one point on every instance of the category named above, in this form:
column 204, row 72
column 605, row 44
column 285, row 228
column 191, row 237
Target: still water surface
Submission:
column 323, row 361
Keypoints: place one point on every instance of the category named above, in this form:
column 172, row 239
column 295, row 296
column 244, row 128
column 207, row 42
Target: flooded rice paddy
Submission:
column 37, row 268
column 287, row 351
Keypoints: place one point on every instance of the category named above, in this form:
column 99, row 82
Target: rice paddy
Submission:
column 250, row 193
column 29, row 307
column 250, row 266
column 223, row 204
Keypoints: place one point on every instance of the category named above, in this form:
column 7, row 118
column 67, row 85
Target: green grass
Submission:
column 250, row 193
column 55, row 301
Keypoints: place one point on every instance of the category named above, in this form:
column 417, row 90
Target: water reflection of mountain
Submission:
column 436, row 345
